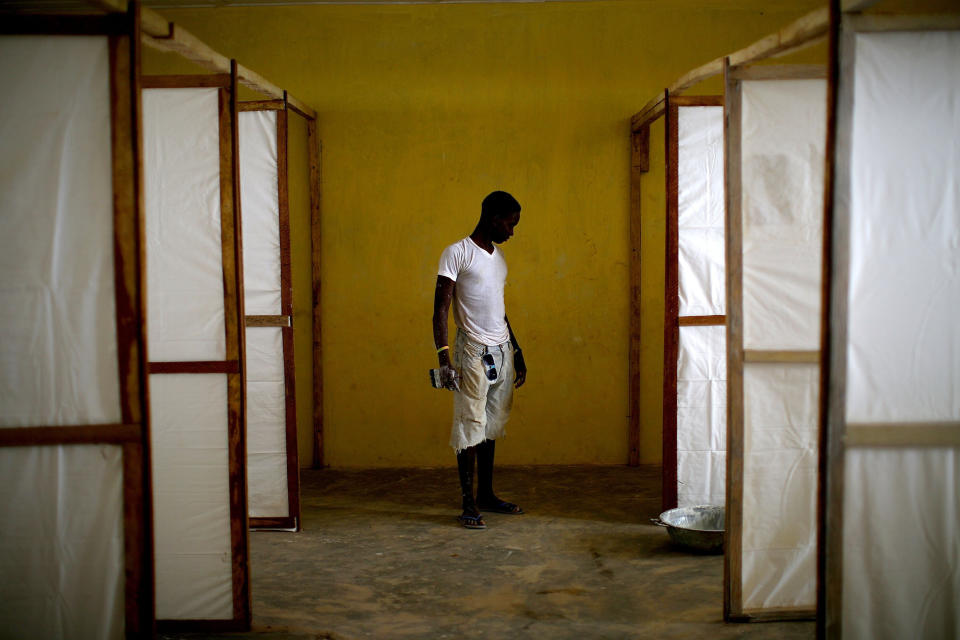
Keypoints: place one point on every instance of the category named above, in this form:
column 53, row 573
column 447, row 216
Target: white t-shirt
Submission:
column 478, row 307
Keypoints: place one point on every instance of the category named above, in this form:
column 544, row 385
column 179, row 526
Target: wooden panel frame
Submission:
column 195, row 366
column 160, row 33
column 263, row 105
column 672, row 320
column 234, row 365
column 803, row 32
column 133, row 435
column 836, row 434
column 737, row 356
column 733, row 520
column 316, row 238
column 639, row 165
column 219, row 81
column 268, row 321
column 799, row 34
column 285, row 320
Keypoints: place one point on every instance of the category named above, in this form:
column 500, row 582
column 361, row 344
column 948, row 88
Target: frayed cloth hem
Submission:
column 460, row 445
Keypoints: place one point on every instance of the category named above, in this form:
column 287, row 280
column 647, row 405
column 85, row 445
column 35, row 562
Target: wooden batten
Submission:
column 701, row 321
column 268, row 321
column 253, row 80
column 283, row 218
column 833, row 328
column 126, row 229
column 130, row 287
column 782, row 356
column 153, row 24
column 194, row 366
column 649, row 113
column 801, row 33
column 696, row 101
column 733, row 535
column 316, row 235
column 262, row 105
column 639, row 164
column 780, row 72
column 301, row 108
column 137, row 544
column 290, row 410
column 784, row 614
column 58, row 435
column 161, row 34
column 178, row 40
column 194, row 81
column 286, row 305
column 232, row 248
column 228, row 228
column 805, row 30
column 671, row 330
column 290, row 523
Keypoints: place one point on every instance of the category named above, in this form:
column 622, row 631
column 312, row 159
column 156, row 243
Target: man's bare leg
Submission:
column 486, row 498
column 470, row 518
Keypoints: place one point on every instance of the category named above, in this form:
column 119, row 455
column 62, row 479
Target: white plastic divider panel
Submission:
column 61, row 506
column 901, row 504
column 782, row 155
column 272, row 468
column 701, row 416
column 266, row 425
column 697, row 447
column 185, row 280
column 260, row 193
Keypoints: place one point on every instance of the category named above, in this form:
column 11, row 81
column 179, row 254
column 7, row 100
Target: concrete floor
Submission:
column 382, row 556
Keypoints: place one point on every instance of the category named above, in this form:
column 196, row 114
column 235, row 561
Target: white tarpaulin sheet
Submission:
column 261, row 212
column 782, row 153
column 61, row 507
column 783, row 125
column 701, row 416
column 191, row 496
column 701, row 205
column 266, row 391
column 62, row 539
column 181, row 177
column 901, row 552
column 779, row 534
column 266, row 424
column 701, row 365
column 58, row 346
column 194, row 569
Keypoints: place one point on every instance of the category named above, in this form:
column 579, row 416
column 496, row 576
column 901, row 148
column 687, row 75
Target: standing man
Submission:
column 487, row 362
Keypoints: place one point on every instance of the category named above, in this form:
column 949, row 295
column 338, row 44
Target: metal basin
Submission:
column 699, row 527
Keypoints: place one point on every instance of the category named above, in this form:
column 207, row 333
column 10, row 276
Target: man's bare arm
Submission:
column 520, row 367
column 442, row 297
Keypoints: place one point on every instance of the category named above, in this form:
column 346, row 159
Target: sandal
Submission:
column 471, row 522
column 500, row 506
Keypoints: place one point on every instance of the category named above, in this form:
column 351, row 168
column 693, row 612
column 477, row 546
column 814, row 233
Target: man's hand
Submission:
column 520, row 367
column 449, row 378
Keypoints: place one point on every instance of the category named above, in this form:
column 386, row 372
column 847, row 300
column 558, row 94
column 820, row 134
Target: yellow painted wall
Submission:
column 424, row 109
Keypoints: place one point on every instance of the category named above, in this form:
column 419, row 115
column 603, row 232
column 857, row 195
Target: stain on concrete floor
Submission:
column 382, row 556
